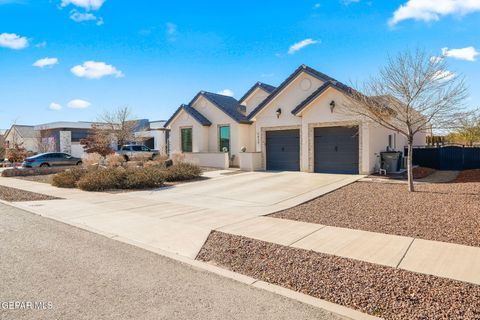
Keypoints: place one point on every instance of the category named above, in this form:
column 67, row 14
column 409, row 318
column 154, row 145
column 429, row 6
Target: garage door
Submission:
column 283, row 150
column 336, row 150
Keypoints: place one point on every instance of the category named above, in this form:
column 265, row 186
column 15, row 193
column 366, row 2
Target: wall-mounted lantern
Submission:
column 332, row 106
column 278, row 112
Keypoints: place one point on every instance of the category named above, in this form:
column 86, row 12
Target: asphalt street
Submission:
column 50, row 270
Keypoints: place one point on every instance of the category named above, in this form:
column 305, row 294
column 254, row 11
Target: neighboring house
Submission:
column 297, row 126
column 155, row 135
column 23, row 136
column 65, row 136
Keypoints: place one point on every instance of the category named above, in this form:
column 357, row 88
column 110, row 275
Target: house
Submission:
column 155, row 136
column 23, row 136
column 297, row 126
column 65, row 136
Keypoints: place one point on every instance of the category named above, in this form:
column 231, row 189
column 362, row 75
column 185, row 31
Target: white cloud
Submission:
column 13, row 41
column 78, row 104
column 42, row 44
column 85, row 4
column 300, row 45
column 45, row 62
column 444, row 75
column 227, row 92
column 433, row 10
column 79, row 17
column 468, row 53
column 96, row 70
column 55, row 106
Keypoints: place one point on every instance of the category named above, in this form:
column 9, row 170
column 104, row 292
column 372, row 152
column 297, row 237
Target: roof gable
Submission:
column 290, row 79
column 229, row 105
column 192, row 112
column 265, row 87
column 317, row 93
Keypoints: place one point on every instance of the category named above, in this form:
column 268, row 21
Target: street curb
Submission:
column 333, row 308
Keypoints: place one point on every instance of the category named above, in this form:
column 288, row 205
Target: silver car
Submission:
column 51, row 159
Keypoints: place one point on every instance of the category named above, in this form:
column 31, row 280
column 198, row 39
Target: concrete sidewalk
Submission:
column 179, row 220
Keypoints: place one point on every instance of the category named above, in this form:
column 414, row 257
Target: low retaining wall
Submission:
column 250, row 161
column 208, row 159
column 24, row 172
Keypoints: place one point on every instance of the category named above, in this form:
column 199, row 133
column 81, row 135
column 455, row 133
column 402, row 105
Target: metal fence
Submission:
column 447, row 157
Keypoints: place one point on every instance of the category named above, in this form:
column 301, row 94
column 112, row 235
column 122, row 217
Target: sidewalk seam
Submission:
column 405, row 253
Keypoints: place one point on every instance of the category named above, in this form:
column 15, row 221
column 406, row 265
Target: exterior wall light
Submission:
column 332, row 106
column 278, row 112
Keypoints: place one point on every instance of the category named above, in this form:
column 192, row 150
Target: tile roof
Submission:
column 299, row 70
column 266, row 87
column 192, row 112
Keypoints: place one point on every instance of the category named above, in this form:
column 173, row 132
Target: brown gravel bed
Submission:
column 377, row 290
column 42, row 178
column 447, row 212
column 13, row 194
column 468, row 176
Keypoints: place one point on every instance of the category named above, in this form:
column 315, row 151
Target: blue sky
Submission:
column 72, row 59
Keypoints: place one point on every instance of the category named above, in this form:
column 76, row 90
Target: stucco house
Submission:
column 21, row 135
column 297, row 126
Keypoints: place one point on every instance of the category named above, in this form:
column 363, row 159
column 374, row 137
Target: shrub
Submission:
column 17, row 154
column 103, row 179
column 69, row 178
column 91, row 159
column 141, row 178
column 182, row 171
column 114, row 160
column 178, row 157
column 140, row 157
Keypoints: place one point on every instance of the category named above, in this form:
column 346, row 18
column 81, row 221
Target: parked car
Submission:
column 51, row 159
column 130, row 150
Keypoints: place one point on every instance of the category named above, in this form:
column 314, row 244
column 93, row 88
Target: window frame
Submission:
column 183, row 129
column 220, row 137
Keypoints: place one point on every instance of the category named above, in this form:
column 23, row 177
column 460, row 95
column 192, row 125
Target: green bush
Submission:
column 69, row 178
column 141, row 178
column 182, row 171
column 103, row 179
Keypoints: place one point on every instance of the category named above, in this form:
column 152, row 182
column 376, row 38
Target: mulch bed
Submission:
column 377, row 290
column 468, row 176
column 444, row 212
column 12, row 195
column 421, row 172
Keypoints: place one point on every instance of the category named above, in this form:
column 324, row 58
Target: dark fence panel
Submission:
column 447, row 158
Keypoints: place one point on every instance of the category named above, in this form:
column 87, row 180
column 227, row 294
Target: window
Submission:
column 145, row 149
column 186, row 136
column 224, row 135
column 136, row 148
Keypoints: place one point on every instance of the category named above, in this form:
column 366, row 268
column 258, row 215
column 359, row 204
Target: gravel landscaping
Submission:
column 47, row 178
column 377, row 290
column 12, row 194
column 447, row 212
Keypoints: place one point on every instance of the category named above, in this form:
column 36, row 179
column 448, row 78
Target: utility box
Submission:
column 391, row 160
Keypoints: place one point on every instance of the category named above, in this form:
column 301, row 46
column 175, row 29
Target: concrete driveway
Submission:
column 179, row 219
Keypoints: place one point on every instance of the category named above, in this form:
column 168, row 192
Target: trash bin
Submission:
column 391, row 160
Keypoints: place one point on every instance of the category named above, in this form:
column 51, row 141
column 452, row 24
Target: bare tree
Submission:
column 414, row 92
column 98, row 141
column 120, row 124
column 43, row 142
column 467, row 129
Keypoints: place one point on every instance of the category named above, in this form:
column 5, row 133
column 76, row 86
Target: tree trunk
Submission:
column 410, row 165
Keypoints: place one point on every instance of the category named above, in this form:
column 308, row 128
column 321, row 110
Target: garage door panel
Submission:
column 336, row 150
column 283, row 150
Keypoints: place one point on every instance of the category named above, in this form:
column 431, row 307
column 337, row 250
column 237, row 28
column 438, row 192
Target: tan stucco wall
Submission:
column 254, row 99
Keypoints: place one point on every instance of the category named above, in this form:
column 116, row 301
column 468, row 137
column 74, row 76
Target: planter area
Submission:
column 13, row 194
column 444, row 212
column 377, row 290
